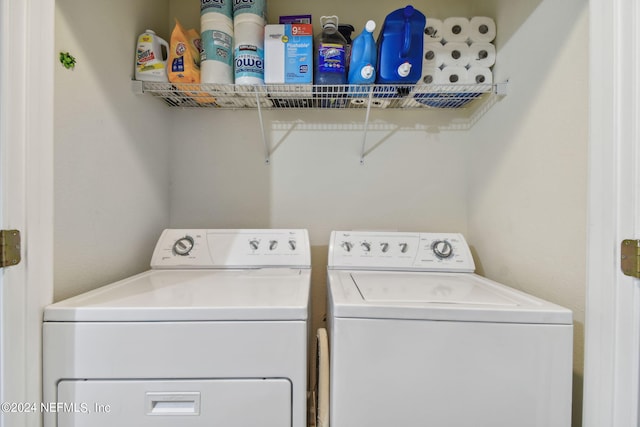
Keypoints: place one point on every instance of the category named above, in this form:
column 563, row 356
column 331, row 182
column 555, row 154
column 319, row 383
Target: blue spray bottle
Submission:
column 364, row 55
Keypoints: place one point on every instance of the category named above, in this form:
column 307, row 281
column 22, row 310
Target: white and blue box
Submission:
column 288, row 54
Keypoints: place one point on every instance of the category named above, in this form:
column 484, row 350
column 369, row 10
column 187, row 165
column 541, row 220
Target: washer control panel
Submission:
column 400, row 251
column 245, row 248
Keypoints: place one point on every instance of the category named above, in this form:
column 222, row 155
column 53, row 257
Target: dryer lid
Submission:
column 436, row 296
column 192, row 295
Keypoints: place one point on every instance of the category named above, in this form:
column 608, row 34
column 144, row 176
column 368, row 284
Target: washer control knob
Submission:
column 442, row 249
column 366, row 246
column 273, row 244
column 404, row 247
column 292, row 245
column 253, row 244
column 347, row 246
column 384, row 247
column 183, row 246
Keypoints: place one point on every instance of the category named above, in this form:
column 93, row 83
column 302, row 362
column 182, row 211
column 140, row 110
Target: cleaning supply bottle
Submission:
column 400, row 46
column 346, row 30
column 330, row 55
column 364, row 55
column 151, row 60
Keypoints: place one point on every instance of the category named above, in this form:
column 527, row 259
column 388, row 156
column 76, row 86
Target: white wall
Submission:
column 528, row 167
column 111, row 146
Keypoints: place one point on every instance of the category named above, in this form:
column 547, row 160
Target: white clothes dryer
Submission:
column 215, row 333
column 418, row 339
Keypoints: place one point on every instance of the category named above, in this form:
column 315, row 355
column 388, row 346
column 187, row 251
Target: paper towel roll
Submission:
column 479, row 75
column 248, row 38
column 434, row 54
column 454, row 75
column 455, row 54
column 482, row 29
column 482, row 54
column 455, row 29
column 216, row 64
column 433, row 30
column 430, row 75
column 223, row 7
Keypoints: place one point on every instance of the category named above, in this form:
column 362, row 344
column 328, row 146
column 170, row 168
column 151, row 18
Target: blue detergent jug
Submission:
column 364, row 54
column 400, row 47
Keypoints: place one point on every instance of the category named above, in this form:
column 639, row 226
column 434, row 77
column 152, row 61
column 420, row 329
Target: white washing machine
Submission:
column 417, row 339
column 215, row 334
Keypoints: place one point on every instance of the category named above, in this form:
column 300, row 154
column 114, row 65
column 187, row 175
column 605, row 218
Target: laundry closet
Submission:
column 509, row 172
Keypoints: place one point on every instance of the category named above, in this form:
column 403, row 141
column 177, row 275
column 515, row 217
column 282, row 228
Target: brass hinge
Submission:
column 9, row 248
column 630, row 258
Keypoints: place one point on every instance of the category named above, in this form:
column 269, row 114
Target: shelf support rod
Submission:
column 267, row 154
column 366, row 126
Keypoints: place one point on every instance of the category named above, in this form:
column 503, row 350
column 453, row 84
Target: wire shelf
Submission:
column 316, row 96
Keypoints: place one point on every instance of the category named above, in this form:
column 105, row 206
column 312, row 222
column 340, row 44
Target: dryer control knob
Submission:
column 347, row 246
column 183, row 246
column 292, row 245
column 384, row 247
column 366, row 246
column 253, row 244
column 442, row 249
column 273, row 244
column 404, row 247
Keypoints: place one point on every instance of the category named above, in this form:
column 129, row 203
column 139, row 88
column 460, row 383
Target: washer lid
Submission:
column 436, row 296
column 192, row 295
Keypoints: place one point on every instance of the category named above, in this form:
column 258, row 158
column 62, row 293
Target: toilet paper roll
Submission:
column 375, row 102
column 456, row 54
column 430, row 75
column 455, row 29
column 433, row 30
column 482, row 54
column 434, row 54
column 482, row 29
column 479, row 75
column 454, row 75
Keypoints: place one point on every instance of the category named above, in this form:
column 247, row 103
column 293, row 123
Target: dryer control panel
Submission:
column 383, row 250
column 244, row 248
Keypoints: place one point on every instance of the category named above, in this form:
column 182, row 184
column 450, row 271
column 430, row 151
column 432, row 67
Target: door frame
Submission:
column 26, row 196
column 612, row 341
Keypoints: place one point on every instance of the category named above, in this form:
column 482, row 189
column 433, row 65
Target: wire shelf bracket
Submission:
column 283, row 97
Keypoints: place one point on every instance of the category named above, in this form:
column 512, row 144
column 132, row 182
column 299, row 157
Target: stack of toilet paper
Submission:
column 459, row 50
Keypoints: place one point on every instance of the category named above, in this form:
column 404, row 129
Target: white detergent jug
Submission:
column 151, row 61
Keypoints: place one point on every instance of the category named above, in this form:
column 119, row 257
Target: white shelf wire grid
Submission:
column 317, row 96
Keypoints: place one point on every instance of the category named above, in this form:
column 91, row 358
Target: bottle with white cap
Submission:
column 401, row 47
column 364, row 55
column 151, row 58
column 330, row 55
